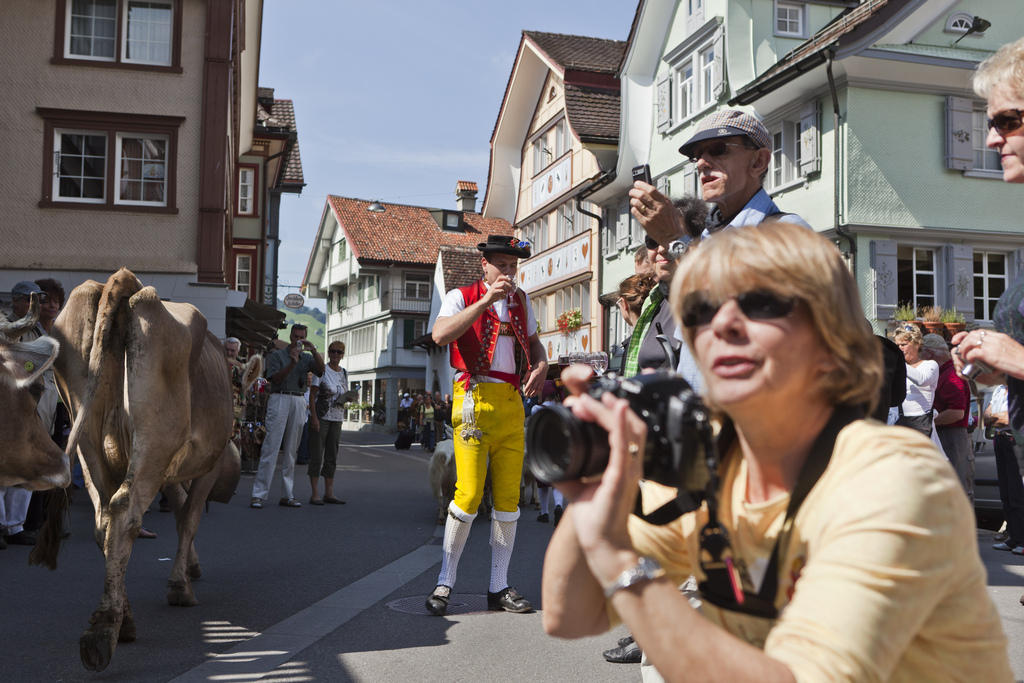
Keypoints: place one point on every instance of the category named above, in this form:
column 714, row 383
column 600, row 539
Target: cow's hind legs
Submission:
column 186, row 563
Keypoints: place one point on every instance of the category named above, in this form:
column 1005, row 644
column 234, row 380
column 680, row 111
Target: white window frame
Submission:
column 242, row 282
column 57, row 196
column 121, row 35
column 419, row 280
column 67, row 36
column 692, row 83
column 914, row 272
column 362, row 340
column 979, row 133
column 982, row 295
column 784, row 163
column 800, row 10
column 249, row 208
column 117, row 168
column 567, row 218
column 126, row 33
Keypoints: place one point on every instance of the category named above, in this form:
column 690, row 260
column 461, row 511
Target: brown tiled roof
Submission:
column 460, row 266
column 281, row 118
column 406, row 234
column 581, row 53
column 465, row 185
column 863, row 18
column 593, row 113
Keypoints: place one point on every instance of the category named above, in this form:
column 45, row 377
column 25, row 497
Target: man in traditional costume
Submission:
column 498, row 358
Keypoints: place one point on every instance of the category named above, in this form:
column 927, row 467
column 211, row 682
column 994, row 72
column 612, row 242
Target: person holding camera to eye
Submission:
column 287, row 370
column 821, row 541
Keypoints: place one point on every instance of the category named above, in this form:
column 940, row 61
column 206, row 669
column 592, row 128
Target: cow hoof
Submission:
column 194, row 571
column 180, row 594
column 127, row 633
column 96, row 647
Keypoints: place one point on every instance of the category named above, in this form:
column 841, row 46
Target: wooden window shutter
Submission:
column 409, row 332
column 960, row 278
column 810, row 138
column 663, row 103
column 883, row 267
column 622, row 226
column 718, row 67
column 959, row 114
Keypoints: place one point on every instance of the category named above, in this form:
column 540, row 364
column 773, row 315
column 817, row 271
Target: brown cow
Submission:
column 150, row 394
column 28, row 456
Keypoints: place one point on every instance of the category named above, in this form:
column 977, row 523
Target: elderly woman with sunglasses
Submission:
column 1000, row 80
column 858, row 582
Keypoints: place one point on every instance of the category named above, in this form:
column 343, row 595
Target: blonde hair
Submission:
column 1003, row 69
column 793, row 261
column 908, row 333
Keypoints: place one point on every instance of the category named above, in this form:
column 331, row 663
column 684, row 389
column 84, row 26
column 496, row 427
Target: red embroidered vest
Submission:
column 473, row 352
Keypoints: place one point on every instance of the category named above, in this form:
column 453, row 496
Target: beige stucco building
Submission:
column 123, row 124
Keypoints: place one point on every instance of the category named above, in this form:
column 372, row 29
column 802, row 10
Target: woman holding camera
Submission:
column 825, row 553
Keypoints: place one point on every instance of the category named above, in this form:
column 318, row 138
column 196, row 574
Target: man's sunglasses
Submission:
column 1007, row 121
column 756, row 305
column 650, row 243
column 716, row 149
column 335, row 351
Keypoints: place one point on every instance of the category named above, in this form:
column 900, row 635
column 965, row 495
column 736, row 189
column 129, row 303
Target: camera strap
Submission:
column 722, row 586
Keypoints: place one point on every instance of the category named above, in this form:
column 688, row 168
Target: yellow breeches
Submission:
column 498, row 412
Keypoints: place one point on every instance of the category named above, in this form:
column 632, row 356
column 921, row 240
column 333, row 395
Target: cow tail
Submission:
column 108, row 343
column 49, row 540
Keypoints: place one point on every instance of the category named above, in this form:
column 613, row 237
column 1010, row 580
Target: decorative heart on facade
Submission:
column 586, row 247
column 550, row 266
column 583, row 342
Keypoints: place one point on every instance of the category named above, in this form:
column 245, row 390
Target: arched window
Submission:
column 959, row 23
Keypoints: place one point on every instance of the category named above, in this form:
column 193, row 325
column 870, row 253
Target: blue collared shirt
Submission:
column 756, row 210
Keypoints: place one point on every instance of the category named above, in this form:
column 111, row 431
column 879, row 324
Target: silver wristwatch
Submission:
column 676, row 248
column 646, row 569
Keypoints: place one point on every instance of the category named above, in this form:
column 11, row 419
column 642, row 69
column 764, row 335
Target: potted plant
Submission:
column 905, row 314
column 570, row 321
column 954, row 322
column 931, row 319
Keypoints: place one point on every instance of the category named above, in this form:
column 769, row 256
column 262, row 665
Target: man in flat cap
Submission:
column 498, row 358
column 731, row 151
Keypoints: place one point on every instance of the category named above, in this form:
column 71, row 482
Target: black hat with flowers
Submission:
column 505, row 244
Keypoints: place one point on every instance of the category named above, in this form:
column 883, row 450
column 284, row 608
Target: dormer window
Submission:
column 789, row 19
column 960, row 22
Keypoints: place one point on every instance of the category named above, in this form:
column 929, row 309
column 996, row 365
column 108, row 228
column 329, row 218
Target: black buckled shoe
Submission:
column 630, row 653
column 509, row 600
column 437, row 602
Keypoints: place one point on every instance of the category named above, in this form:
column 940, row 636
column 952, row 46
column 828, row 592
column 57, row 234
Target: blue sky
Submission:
column 396, row 100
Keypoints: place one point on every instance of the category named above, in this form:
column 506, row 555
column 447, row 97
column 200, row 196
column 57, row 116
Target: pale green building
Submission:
column 907, row 188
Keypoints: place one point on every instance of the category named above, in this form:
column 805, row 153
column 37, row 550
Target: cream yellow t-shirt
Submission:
column 881, row 578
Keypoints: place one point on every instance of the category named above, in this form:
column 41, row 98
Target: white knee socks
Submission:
column 503, row 537
column 456, row 532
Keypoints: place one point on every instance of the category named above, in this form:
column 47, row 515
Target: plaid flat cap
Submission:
column 727, row 123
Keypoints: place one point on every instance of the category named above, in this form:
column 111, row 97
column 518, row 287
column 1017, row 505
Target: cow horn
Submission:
column 13, row 330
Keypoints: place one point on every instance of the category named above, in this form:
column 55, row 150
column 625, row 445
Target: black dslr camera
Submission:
column 680, row 448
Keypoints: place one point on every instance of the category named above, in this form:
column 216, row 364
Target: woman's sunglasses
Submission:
column 756, row 305
column 716, row 149
column 1008, row 121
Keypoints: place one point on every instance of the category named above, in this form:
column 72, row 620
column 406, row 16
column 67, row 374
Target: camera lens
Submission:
column 561, row 447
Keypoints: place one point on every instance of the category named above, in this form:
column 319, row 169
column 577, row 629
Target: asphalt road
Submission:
column 330, row 593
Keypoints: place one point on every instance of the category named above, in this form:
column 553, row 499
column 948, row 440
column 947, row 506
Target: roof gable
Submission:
column 405, row 234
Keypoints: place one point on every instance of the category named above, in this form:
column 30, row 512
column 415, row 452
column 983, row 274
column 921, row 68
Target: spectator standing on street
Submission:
column 286, row 414
column 1011, row 487
column 427, row 422
column 325, row 430
column 14, row 500
column 404, row 406
column 922, row 378
column 951, row 409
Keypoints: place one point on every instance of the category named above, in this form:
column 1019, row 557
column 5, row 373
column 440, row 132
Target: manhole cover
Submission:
column 459, row 603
